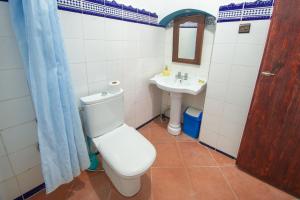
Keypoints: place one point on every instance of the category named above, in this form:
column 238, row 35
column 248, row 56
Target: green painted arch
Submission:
column 184, row 12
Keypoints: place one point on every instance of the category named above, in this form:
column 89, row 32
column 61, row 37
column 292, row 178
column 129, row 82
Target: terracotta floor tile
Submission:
column 171, row 184
column 169, row 179
column 210, row 184
column 61, row 192
column 146, row 132
column 167, row 155
column 143, row 194
column 247, row 187
column 195, row 154
column 221, row 159
column 160, row 123
column 182, row 137
column 91, row 187
column 160, row 134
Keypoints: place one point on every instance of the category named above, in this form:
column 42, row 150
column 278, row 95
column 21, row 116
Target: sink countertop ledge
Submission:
column 171, row 84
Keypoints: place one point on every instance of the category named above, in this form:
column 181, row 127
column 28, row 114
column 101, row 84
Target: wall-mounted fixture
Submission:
column 188, row 39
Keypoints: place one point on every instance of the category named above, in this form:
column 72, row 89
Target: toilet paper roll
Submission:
column 114, row 86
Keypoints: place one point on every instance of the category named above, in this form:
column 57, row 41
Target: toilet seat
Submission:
column 126, row 151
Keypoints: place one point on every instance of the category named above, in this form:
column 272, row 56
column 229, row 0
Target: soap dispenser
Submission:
column 166, row 71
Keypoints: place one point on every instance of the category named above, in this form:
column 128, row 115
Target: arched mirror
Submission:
column 188, row 38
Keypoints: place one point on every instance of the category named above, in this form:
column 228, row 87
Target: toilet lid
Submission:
column 127, row 151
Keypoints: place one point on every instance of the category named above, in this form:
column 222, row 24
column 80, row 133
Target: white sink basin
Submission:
column 171, row 84
column 176, row 87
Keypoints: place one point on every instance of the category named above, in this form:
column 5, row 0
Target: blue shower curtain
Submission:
column 62, row 143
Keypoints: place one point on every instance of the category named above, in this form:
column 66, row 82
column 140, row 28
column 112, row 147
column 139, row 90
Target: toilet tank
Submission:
column 102, row 112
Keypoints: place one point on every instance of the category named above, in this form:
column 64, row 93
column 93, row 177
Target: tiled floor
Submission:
column 183, row 170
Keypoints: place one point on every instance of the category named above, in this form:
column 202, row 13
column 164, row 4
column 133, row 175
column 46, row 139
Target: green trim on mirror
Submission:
column 179, row 13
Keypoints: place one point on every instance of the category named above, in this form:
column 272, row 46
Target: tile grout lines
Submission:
column 224, row 177
column 185, row 168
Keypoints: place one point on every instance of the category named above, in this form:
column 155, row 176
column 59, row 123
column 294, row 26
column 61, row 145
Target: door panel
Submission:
column 270, row 148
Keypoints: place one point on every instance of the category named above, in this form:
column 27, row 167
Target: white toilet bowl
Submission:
column 127, row 155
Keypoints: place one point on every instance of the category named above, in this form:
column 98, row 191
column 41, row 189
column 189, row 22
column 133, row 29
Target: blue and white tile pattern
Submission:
column 109, row 9
column 257, row 10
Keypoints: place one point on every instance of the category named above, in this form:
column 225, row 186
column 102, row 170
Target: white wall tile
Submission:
column 235, row 65
column 81, row 90
column 15, row 112
column 216, row 90
column 113, row 50
column 9, row 54
column 131, row 31
column 231, row 129
column 219, row 72
column 223, row 53
column 19, row 137
column 94, row 50
column 114, row 29
column 213, row 106
column 245, row 76
column 75, row 50
column 130, row 74
column 30, row 179
column 115, row 70
column 248, row 55
column 78, row 73
column 208, row 136
column 235, row 113
column 13, row 84
column 97, row 87
column 24, row 159
column 2, row 149
column 93, row 27
column 71, row 24
column 142, row 112
column 239, row 95
column 227, row 32
column 96, row 71
column 6, row 29
column 258, row 33
column 9, row 189
column 228, row 145
column 5, row 168
column 131, row 49
column 212, row 122
column 129, row 105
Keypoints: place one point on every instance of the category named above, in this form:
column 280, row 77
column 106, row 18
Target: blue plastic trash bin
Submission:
column 192, row 121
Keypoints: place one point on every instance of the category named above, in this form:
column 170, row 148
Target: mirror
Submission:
column 188, row 38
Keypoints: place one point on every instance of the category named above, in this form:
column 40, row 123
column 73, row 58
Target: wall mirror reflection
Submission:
column 188, row 38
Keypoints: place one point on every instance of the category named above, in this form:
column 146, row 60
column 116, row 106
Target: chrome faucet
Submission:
column 178, row 76
column 185, row 77
column 182, row 77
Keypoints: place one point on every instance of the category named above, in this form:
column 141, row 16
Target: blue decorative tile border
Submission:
column 109, row 9
column 257, row 10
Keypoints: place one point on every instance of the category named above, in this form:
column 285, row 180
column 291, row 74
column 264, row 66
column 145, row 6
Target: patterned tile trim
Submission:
column 257, row 10
column 109, row 9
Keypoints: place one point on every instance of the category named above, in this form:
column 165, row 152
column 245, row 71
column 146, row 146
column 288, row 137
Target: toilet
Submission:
column 126, row 153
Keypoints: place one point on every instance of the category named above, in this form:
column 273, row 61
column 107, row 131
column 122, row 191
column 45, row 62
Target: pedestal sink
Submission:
column 177, row 86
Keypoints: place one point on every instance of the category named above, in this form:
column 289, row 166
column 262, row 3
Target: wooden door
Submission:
column 270, row 148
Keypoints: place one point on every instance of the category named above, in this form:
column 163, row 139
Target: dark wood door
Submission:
column 270, row 148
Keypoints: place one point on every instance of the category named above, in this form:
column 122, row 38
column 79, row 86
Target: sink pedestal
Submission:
column 174, row 126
